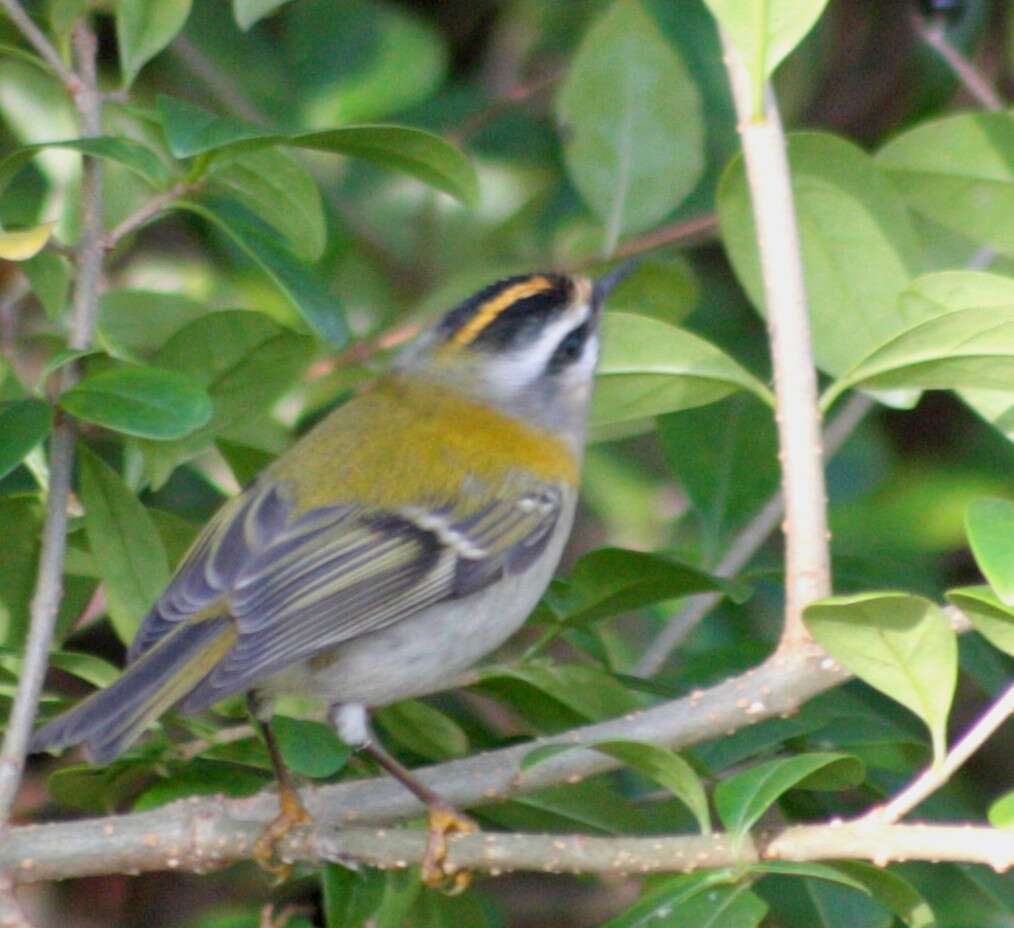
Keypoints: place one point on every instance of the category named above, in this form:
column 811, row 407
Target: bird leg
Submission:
column 444, row 819
column 291, row 810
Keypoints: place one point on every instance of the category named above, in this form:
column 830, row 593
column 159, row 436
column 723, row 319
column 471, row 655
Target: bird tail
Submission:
column 108, row 721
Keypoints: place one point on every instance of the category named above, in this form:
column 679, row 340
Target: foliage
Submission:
column 286, row 177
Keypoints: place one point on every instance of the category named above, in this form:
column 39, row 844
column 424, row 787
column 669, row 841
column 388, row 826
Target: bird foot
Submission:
column 291, row 814
column 436, row 874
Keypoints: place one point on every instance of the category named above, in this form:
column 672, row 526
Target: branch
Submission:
column 746, row 544
column 49, row 582
column 935, row 777
column 41, row 44
column 933, row 33
column 147, row 212
column 807, row 552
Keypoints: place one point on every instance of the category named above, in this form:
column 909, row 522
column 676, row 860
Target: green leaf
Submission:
column 667, row 769
column 892, row 891
column 23, row 424
column 959, row 172
column 663, row 288
column 990, row 524
column 134, row 323
column 201, row 777
column 97, row 789
column 21, row 518
column 192, row 131
column 858, row 245
column 648, row 368
column 900, row 644
column 144, row 28
column 743, row 798
column 764, row 32
column 991, row 618
column 631, row 122
column 24, row 244
column 962, row 349
column 87, row 667
column 820, row 903
column 350, row 897
column 49, row 277
column 818, row 871
column 310, row 296
column 611, row 581
column 278, row 189
column 311, row 749
column 132, row 155
column 248, row 12
column 243, row 359
column 125, row 543
column 701, row 905
column 1001, row 812
column 142, row 401
column 244, row 462
column 422, row 729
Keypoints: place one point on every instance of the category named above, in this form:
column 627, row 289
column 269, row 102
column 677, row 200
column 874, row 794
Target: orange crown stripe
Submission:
column 492, row 308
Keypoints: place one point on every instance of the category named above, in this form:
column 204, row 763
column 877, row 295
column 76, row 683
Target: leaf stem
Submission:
column 49, row 582
column 807, row 551
column 42, row 45
column 933, row 32
column 147, row 212
column 937, row 774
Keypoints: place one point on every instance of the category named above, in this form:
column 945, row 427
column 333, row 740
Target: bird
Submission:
column 403, row 538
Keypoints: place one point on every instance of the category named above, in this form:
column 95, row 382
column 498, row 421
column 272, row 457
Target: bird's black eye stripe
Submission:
column 569, row 350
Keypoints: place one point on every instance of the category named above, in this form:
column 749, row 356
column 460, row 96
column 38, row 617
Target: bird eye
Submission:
column 569, row 350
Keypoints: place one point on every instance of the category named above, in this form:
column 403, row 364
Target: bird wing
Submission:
column 300, row 584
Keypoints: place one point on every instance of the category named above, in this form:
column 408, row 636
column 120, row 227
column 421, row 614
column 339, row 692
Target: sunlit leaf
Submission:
column 1001, row 812
column 22, row 244
column 248, row 12
column 631, row 121
column 990, row 524
column 649, row 367
column 900, row 644
column 991, row 618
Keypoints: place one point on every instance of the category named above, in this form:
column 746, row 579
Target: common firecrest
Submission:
column 402, row 539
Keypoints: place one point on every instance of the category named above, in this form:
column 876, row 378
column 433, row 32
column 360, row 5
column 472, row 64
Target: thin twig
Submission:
column 49, row 582
column 678, row 233
column 807, row 549
column 745, row 545
column 934, row 33
column 516, row 96
column 936, row 776
column 147, row 212
column 41, row 44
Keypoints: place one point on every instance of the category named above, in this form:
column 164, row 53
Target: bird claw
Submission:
column 291, row 815
column 436, row 874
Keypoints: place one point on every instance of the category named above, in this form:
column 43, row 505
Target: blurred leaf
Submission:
column 378, row 59
column 49, row 277
column 819, row 903
column 244, row 462
column 990, row 524
column 138, row 158
column 308, row 293
column 900, row 644
column 311, row 749
column 436, row 910
column 611, row 581
column 892, row 891
column 648, row 368
column 959, row 171
column 763, row 737
column 702, row 905
column 961, row 349
column 192, row 131
column 667, row 769
column 23, row 424
column 1001, row 812
column 422, row 729
column 764, row 32
column 815, row 870
column 725, row 456
column 127, row 548
column 143, row 401
column 859, row 247
column 97, row 789
column 631, row 122
column 744, row 797
column 278, row 189
column 991, row 618
column 23, row 244
column 177, row 534
column 133, row 323
column 350, row 897
column 201, row 777
column 244, row 360
column 664, row 289
column 658, row 903
column 22, row 521
column 248, row 12
column 87, row 667
column 144, row 28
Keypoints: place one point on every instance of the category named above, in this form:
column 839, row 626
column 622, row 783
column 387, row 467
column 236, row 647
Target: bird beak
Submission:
column 608, row 282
